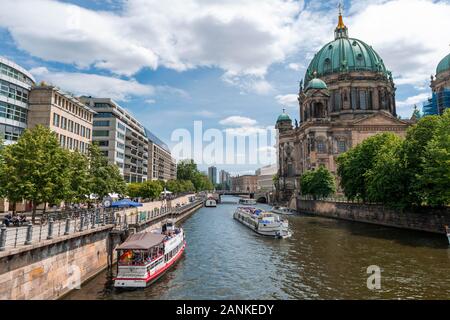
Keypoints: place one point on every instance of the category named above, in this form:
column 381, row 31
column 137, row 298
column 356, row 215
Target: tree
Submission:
column 105, row 177
column 386, row 179
column 35, row 168
column 353, row 165
column 78, row 176
column 134, row 190
column 318, row 183
column 187, row 170
column 434, row 177
column 151, row 189
column 413, row 158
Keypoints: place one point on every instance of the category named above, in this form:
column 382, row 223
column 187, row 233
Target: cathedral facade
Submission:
column 347, row 96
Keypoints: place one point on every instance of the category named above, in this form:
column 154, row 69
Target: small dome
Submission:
column 316, row 84
column 444, row 65
column 283, row 117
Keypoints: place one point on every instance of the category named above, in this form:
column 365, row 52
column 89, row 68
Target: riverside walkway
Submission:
column 84, row 221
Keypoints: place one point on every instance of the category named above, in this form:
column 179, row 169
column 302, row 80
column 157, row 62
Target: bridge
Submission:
column 259, row 196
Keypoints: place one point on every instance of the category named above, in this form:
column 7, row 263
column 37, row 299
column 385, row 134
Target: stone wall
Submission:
column 425, row 219
column 44, row 271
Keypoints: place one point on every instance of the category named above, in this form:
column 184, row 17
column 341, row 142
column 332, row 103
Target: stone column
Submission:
column 3, row 231
column 29, row 233
column 376, row 99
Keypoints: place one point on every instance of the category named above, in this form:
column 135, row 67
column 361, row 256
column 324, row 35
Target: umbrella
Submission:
column 125, row 203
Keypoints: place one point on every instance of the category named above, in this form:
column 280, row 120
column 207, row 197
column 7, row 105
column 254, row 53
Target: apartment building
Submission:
column 161, row 164
column 68, row 117
column 121, row 138
column 245, row 183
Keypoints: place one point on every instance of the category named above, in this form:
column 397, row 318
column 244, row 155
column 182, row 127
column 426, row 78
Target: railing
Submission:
column 14, row 237
column 30, row 234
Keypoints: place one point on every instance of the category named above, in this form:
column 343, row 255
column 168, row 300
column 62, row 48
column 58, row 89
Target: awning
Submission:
column 142, row 241
column 125, row 203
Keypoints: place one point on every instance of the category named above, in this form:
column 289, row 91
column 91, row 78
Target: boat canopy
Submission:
column 142, row 241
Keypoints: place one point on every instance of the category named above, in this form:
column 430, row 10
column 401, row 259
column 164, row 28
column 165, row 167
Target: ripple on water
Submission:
column 324, row 259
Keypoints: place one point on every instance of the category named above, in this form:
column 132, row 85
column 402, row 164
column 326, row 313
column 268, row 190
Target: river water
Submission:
column 324, row 259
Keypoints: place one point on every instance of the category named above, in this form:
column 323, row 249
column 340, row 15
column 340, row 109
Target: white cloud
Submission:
column 410, row 35
column 93, row 85
column 296, row 66
column 288, row 100
column 411, row 101
column 150, row 101
column 238, row 121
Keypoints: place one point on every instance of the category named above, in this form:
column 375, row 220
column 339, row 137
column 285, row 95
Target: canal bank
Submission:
column 324, row 259
column 51, row 268
column 431, row 220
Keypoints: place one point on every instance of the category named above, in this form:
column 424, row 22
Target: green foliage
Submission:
column 187, row 170
column 318, row 183
column 434, row 178
column 353, row 165
column 151, row 189
column 105, row 177
column 78, row 177
column 401, row 173
column 35, row 168
column 386, row 179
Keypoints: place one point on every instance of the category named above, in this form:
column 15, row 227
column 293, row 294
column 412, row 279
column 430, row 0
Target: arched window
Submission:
column 319, row 111
column 359, row 60
column 327, row 65
column 363, row 99
column 321, row 146
column 337, row 100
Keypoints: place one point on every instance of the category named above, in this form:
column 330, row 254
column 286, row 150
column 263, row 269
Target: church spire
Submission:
column 341, row 29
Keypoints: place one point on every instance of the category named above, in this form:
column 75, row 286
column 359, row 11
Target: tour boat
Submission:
column 447, row 230
column 144, row 257
column 211, row 203
column 263, row 223
column 247, row 202
column 283, row 210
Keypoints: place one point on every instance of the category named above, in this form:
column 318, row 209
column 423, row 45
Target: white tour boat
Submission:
column 262, row 222
column 211, row 203
column 283, row 211
column 447, row 230
column 144, row 257
column 247, row 202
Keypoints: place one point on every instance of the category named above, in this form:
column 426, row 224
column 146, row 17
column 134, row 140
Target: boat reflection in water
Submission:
column 263, row 222
column 144, row 257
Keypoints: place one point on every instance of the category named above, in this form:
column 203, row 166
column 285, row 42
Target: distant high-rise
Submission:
column 225, row 179
column 212, row 174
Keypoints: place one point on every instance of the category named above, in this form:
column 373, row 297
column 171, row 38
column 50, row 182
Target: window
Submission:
column 337, row 100
column 321, row 147
column 102, row 143
column 103, row 114
column 120, row 136
column 56, row 120
column 120, row 145
column 121, row 126
column 101, row 123
column 13, row 112
column 100, row 133
column 354, row 98
column 10, row 133
column 13, row 92
column 342, row 147
column 119, row 155
column 363, row 100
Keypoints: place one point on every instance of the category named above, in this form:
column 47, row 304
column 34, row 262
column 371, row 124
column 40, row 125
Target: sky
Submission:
column 234, row 65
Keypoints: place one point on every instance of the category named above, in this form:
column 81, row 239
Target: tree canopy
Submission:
column 318, row 183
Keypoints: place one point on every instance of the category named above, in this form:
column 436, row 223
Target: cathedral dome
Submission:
column 283, row 117
column 444, row 65
column 344, row 54
column 316, row 84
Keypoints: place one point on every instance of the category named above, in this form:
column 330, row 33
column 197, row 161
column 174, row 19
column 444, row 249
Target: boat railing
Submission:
column 139, row 263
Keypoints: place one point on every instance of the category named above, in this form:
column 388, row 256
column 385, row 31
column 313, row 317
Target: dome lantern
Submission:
column 341, row 30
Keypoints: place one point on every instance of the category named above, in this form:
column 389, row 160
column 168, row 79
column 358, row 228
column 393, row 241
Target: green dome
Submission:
column 283, row 117
column 345, row 55
column 444, row 65
column 316, row 84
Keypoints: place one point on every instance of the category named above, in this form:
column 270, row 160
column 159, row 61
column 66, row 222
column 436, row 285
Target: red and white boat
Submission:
column 144, row 257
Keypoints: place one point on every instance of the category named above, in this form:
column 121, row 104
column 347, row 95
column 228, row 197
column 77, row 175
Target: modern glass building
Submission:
column 15, row 86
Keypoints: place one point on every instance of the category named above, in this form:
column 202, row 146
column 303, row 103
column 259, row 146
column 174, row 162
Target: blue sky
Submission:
column 174, row 62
